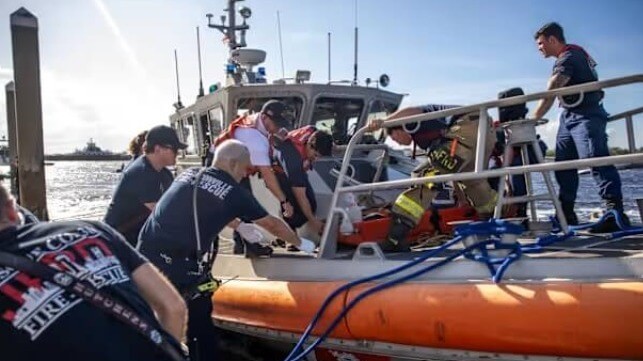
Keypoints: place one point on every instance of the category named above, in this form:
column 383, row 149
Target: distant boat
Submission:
column 91, row 152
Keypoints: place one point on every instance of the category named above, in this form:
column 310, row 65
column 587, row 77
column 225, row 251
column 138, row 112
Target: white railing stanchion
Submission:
column 629, row 126
column 481, row 146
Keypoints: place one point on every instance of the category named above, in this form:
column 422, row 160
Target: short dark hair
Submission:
column 322, row 142
column 551, row 29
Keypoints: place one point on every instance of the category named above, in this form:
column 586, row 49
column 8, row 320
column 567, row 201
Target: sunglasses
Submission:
column 175, row 150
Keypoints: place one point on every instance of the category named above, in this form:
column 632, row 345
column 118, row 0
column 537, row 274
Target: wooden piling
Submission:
column 10, row 93
column 26, row 73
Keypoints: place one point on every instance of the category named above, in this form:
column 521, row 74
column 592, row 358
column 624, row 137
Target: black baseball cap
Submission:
column 279, row 112
column 164, row 136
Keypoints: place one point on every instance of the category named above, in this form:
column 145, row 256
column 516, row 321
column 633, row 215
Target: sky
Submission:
column 107, row 66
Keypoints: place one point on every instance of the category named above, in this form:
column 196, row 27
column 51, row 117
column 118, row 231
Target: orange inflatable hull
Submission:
column 594, row 320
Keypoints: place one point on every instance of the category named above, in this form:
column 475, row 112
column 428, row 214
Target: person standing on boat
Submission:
column 293, row 157
column 254, row 131
column 42, row 321
column 143, row 182
column 450, row 144
column 581, row 129
column 169, row 238
column 513, row 113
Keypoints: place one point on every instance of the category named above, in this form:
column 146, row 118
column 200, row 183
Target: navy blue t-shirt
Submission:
column 580, row 68
column 168, row 237
column 140, row 184
column 422, row 135
column 41, row 321
column 294, row 176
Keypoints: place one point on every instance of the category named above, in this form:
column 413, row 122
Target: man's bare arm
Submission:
column 272, row 184
column 556, row 81
column 165, row 300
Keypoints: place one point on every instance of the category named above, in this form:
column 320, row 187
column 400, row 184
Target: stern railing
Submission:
column 329, row 238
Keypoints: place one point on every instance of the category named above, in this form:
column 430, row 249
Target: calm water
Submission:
column 83, row 190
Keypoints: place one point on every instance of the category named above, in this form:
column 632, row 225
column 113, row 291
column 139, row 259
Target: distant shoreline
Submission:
column 81, row 157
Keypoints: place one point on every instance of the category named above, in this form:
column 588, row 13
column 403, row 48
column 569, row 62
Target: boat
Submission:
column 91, row 152
column 491, row 292
column 4, row 151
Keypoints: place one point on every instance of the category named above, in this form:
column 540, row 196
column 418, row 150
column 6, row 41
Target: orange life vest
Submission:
column 299, row 138
column 243, row 121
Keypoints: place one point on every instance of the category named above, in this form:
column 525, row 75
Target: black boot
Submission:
column 396, row 240
column 610, row 225
column 568, row 212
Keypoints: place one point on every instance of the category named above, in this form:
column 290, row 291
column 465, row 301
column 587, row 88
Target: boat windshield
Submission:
column 253, row 105
column 338, row 116
column 379, row 110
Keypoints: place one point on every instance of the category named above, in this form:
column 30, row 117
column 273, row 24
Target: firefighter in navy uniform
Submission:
column 450, row 144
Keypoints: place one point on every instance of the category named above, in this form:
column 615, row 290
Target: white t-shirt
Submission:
column 257, row 144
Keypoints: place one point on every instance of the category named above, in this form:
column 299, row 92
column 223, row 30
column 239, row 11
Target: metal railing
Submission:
column 329, row 237
column 629, row 126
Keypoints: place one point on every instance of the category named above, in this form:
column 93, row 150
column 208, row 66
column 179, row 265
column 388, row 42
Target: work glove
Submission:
column 251, row 233
column 307, row 246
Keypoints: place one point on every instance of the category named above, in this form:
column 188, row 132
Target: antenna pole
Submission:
column 356, row 42
column 178, row 87
column 329, row 77
column 198, row 46
column 281, row 49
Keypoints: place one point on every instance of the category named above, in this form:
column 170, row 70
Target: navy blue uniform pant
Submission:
column 203, row 337
column 580, row 136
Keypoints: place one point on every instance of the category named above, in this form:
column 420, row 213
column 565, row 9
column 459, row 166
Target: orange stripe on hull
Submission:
column 559, row 319
column 280, row 306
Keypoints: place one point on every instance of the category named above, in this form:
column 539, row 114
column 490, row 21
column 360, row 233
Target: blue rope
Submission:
column 479, row 251
column 371, row 291
column 347, row 286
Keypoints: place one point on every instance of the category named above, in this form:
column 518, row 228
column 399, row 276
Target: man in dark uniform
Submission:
column 41, row 321
column 451, row 145
column 294, row 156
column 169, row 237
column 581, row 131
column 143, row 182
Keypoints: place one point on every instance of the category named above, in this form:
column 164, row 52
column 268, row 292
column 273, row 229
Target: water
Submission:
column 77, row 189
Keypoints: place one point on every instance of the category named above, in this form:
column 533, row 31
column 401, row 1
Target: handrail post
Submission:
column 483, row 125
column 328, row 245
column 629, row 127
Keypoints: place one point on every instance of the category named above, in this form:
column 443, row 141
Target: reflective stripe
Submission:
column 410, row 206
column 431, row 172
column 490, row 206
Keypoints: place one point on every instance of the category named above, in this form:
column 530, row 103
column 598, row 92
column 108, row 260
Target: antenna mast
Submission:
column 356, row 40
column 198, row 46
column 281, row 49
column 329, row 77
column 178, row 105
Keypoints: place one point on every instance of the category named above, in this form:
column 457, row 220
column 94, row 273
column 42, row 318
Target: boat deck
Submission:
column 585, row 246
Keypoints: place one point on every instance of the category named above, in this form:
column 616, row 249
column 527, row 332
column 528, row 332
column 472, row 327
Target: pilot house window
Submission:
column 338, row 116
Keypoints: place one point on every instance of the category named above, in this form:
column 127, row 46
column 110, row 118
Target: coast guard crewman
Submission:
column 254, row 131
column 293, row 157
column 581, row 129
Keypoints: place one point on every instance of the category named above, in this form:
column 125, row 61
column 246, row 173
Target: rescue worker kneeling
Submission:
column 450, row 144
